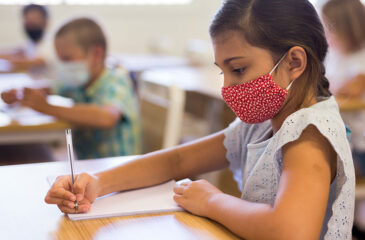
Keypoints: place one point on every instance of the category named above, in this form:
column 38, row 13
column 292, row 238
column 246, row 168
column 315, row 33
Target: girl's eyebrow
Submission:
column 226, row 61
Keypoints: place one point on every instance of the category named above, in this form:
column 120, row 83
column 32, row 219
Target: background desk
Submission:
column 30, row 127
column 202, row 86
column 25, row 215
column 203, row 80
column 137, row 63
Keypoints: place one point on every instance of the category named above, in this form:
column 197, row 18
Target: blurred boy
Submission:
column 105, row 109
column 35, row 21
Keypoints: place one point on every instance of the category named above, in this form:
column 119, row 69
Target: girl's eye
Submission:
column 239, row 70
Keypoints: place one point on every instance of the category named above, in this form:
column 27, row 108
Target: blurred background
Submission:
column 163, row 46
column 171, row 23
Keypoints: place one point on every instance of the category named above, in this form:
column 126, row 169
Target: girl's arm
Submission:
column 300, row 205
column 201, row 156
column 204, row 155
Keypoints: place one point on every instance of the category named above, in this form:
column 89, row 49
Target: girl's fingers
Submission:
column 59, row 201
column 66, row 209
column 61, row 193
column 179, row 200
column 83, row 208
column 179, row 190
column 80, row 186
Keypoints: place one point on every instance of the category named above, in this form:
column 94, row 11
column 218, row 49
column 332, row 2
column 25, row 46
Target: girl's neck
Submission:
column 289, row 109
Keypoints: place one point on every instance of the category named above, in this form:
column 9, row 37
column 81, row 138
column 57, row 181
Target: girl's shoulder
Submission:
column 325, row 117
column 323, row 114
column 322, row 125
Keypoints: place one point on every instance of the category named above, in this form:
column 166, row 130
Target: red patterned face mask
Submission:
column 256, row 101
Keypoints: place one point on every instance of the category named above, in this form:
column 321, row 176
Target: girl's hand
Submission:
column 195, row 196
column 85, row 191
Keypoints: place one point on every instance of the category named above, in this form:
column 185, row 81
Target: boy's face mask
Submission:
column 72, row 74
column 34, row 34
column 258, row 100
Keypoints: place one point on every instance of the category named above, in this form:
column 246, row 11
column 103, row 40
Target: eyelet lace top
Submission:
column 256, row 161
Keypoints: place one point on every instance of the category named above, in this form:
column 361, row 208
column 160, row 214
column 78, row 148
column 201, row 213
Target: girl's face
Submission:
column 241, row 62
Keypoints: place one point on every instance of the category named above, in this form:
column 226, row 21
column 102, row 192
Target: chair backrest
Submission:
column 162, row 111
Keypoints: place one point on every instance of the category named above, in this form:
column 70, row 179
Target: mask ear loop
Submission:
column 288, row 87
column 281, row 59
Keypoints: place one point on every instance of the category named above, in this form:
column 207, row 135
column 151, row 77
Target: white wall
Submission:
column 129, row 28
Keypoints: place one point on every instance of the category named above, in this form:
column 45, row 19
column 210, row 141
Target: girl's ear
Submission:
column 297, row 59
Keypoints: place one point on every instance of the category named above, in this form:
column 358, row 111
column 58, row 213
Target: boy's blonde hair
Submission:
column 346, row 19
column 86, row 32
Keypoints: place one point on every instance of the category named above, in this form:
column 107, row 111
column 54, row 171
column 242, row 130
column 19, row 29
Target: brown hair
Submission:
column 346, row 19
column 278, row 26
column 86, row 32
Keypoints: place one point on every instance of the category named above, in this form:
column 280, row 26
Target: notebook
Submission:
column 155, row 199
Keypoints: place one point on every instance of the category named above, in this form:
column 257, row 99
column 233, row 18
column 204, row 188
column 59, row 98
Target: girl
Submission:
column 345, row 31
column 287, row 149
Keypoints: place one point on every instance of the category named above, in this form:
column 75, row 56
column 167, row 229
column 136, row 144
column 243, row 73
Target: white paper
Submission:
column 155, row 199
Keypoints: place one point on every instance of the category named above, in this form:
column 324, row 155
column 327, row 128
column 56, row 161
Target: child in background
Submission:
column 105, row 110
column 35, row 21
column 344, row 24
column 287, row 149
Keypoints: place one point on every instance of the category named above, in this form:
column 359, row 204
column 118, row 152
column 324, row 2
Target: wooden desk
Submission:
column 25, row 215
column 26, row 126
column 20, row 125
column 203, row 91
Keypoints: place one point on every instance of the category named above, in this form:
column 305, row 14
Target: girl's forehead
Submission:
column 231, row 44
column 228, row 44
column 230, row 38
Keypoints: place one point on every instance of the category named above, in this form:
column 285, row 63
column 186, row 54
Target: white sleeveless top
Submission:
column 256, row 161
